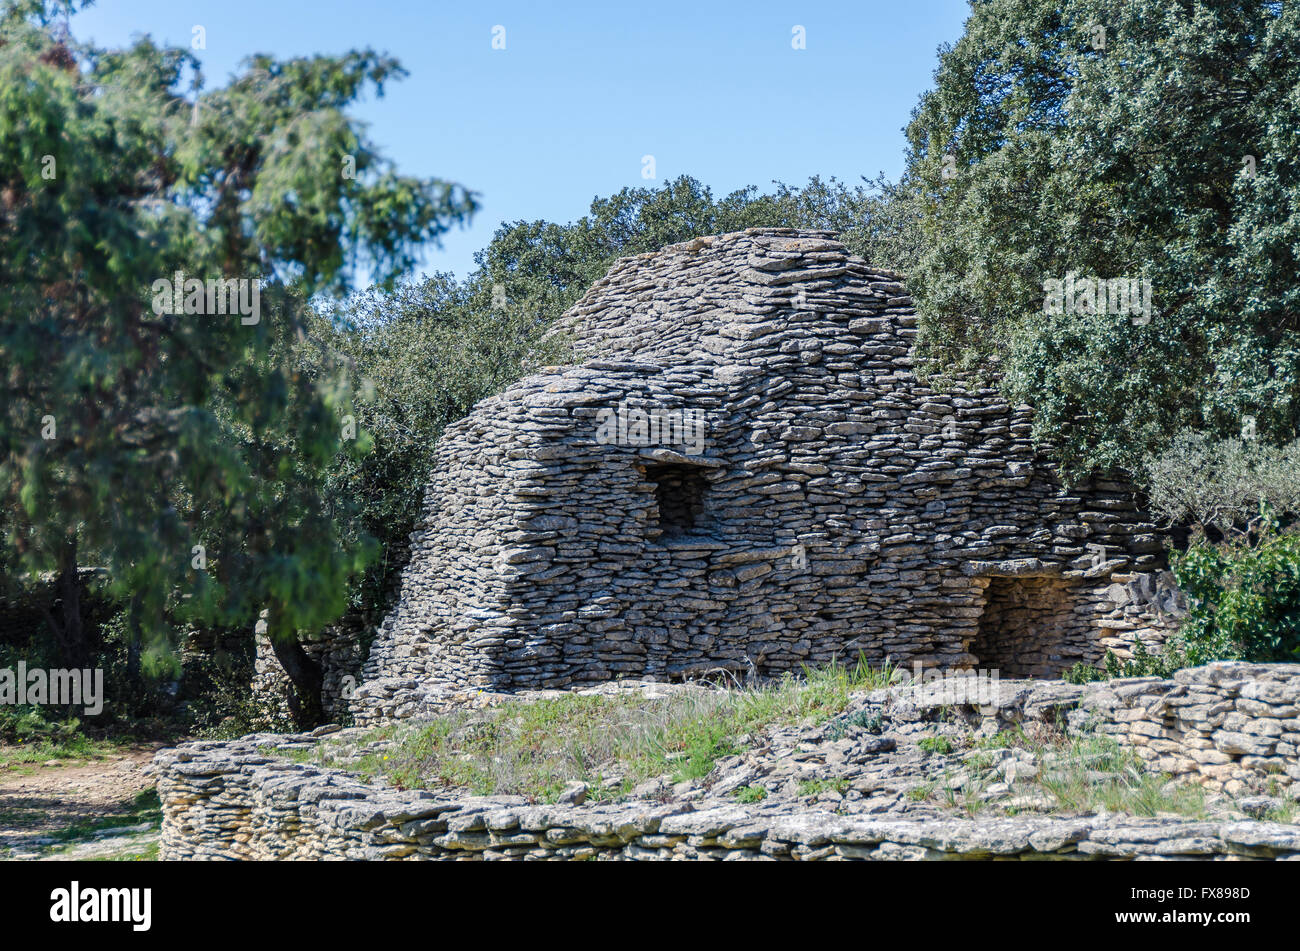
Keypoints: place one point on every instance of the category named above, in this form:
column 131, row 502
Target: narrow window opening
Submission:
column 680, row 491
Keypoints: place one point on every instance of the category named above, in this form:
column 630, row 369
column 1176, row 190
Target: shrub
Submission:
column 869, row 721
column 815, row 787
column 224, row 706
column 1142, row 663
column 1228, row 487
column 1241, row 571
column 29, row 723
column 1244, row 599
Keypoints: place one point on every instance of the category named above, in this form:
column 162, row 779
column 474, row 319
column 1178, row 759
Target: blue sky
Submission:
column 582, row 91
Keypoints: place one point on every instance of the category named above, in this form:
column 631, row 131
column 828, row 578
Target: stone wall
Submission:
column 1225, row 725
column 238, row 803
column 341, row 652
column 1030, row 625
column 1229, row 726
column 841, row 506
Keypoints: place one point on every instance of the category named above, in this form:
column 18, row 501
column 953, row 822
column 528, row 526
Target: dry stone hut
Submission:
column 743, row 471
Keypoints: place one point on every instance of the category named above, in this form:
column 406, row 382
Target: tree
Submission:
column 1241, row 568
column 1117, row 139
column 164, row 433
column 1227, row 488
column 423, row 355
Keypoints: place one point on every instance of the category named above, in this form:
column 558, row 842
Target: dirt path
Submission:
column 49, row 811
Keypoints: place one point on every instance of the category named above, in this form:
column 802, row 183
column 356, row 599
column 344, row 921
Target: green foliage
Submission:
column 1003, row 739
column 935, row 744
column 29, row 723
column 1172, row 656
column 34, row 734
column 1165, row 151
column 1244, row 589
column 545, row 267
column 223, row 707
column 38, row 728
column 424, row 355
column 871, row 722
column 751, row 794
column 1083, row 673
column 132, row 695
column 815, row 787
column 1228, row 487
column 1245, row 599
column 128, row 436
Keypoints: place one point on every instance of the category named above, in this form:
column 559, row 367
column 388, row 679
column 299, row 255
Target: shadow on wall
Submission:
column 1031, row 628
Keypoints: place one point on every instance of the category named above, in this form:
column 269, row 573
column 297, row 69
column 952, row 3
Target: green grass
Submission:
column 76, row 746
column 611, row 743
column 1004, row 740
column 871, row 722
column 144, row 808
column 935, row 744
column 921, row 792
column 148, row 854
column 751, row 794
column 815, row 787
column 1091, row 773
column 1078, row 775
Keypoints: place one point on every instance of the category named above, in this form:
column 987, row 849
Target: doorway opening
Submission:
column 1030, row 628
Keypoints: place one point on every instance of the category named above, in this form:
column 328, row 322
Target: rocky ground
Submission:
column 79, row 809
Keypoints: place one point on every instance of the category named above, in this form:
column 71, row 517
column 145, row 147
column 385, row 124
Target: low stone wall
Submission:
column 1230, row 726
column 1227, row 725
column 232, row 801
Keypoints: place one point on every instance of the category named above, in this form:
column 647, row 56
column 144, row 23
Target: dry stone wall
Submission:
column 341, row 652
column 1225, row 725
column 1229, row 725
column 745, row 472
column 1232, row 727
